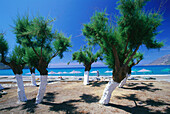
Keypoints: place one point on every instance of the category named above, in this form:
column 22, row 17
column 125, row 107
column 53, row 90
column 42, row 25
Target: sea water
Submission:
column 103, row 71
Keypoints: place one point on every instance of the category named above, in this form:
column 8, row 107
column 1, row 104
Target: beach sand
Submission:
column 137, row 96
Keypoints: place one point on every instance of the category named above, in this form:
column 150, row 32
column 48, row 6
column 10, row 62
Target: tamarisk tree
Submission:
column 37, row 34
column 87, row 57
column 16, row 63
column 134, row 27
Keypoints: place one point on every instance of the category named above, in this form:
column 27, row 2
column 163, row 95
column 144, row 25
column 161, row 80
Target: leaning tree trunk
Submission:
column 43, row 81
column 1, row 87
column 108, row 91
column 123, row 82
column 17, row 69
column 113, row 83
column 21, row 92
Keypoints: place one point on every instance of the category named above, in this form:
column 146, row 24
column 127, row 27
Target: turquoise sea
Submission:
column 103, row 71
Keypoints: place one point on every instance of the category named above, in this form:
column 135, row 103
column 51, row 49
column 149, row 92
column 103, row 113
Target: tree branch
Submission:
column 4, row 61
column 32, row 47
column 126, row 54
column 137, row 62
column 103, row 47
column 35, row 51
column 126, row 44
column 54, row 55
column 130, row 58
column 41, row 51
column 117, row 62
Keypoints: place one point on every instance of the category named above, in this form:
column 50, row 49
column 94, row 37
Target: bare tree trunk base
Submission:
column 42, row 88
column 86, row 78
column 21, row 92
column 108, row 92
column 33, row 82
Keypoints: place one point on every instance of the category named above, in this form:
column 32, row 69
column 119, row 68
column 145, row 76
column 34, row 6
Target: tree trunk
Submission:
column 108, row 91
column 42, row 68
column 86, row 78
column 33, row 82
column 123, row 82
column 86, row 74
column 118, row 76
column 42, row 88
column 21, row 92
column 1, row 87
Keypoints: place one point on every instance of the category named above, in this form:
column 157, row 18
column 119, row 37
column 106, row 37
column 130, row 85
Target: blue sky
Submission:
column 70, row 15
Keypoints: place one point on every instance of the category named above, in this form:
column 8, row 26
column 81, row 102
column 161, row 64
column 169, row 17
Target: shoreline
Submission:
column 27, row 79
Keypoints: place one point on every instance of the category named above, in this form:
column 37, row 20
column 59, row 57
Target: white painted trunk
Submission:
column 33, row 82
column 108, row 92
column 86, row 78
column 1, row 87
column 123, row 82
column 42, row 88
column 21, row 92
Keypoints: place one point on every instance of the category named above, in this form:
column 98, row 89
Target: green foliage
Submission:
column 17, row 55
column 86, row 56
column 100, row 31
column 136, row 59
column 3, row 45
column 138, row 26
column 120, row 42
column 21, row 26
column 61, row 43
column 37, row 34
column 31, row 58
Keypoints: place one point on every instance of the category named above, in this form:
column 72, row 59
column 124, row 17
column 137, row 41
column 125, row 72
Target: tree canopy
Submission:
column 86, row 56
column 3, row 45
column 121, row 41
column 15, row 59
column 42, row 42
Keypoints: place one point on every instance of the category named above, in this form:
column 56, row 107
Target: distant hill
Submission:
column 165, row 60
column 2, row 66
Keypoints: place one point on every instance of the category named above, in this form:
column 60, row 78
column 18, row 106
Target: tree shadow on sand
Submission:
column 50, row 96
column 69, row 106
column 66, row 106
column 140, row 106
column 89, row 98
column 9, row 108
column 29, row 106
column 142, row 87
column 97, row 83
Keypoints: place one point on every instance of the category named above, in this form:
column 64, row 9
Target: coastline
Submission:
column 10, row 81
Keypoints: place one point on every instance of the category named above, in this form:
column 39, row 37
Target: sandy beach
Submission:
column 71, row 96
column 10, row 81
